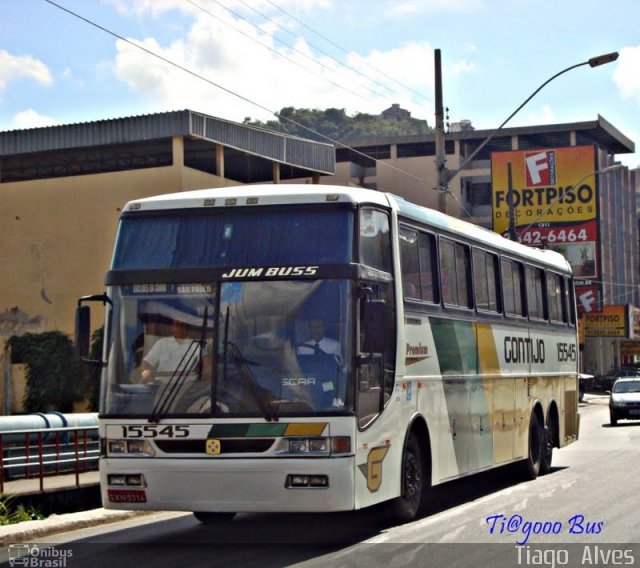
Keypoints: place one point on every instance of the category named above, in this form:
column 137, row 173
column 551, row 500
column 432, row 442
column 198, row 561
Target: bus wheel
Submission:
column 405, row 508
column 213, row 518
column 547, row 450
column 531, row 465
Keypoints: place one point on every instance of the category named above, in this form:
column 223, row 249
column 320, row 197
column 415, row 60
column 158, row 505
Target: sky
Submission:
column 70, row 61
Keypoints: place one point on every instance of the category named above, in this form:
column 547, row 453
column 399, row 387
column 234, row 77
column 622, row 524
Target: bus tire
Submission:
column 547, row 450
column 530, row 466
column 405, row 508
column 207, row 518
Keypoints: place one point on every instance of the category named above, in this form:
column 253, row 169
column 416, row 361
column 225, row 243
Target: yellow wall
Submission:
column 57, row 234
column 57, row 238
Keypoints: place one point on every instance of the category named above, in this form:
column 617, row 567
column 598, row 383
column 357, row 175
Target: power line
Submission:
column 347, row 53
column 231, row 92
column 319, row 50
column 359, row 95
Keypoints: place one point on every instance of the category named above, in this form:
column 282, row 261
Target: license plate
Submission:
column 127, row 496
column 634, row 411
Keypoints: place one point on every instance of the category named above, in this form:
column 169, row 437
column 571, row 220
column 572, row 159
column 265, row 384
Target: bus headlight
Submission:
column 140, row 447
column 126, row 479
column 129, row 447
column 315, row 446
column 117, row 447
column 298, row 446
column 296, row 481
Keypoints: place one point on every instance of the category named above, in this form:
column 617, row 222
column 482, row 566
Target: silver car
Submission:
column 624, row 400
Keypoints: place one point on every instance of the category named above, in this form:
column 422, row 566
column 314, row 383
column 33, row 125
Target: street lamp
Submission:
column 444, row 174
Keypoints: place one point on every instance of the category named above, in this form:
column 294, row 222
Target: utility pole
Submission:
column 445, row 175
column 513, row 235
column 441, row 188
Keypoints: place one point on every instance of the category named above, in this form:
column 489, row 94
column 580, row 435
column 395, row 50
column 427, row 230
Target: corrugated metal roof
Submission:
column 289, row 150
column 599, row 131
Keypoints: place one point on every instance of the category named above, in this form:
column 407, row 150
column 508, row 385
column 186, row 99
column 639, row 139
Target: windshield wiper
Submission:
column 170, row 391
column 242, row 365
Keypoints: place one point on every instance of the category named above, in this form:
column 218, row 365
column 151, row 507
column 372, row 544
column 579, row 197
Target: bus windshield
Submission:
column 257, row 349
column 210, row 239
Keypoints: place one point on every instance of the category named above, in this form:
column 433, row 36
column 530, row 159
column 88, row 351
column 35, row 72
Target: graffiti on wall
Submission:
column 14, row 321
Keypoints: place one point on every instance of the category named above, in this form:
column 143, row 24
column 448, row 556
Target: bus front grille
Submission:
column 227, row 446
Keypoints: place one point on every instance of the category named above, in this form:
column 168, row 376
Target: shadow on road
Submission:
column 273, row 540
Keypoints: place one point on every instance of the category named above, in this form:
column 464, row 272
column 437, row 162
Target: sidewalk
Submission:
column 38, row 530
column 50, row 483
column 32, row 530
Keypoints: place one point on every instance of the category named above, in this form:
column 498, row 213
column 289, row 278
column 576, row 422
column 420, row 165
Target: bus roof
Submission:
column 284, row 194
column 267, row 194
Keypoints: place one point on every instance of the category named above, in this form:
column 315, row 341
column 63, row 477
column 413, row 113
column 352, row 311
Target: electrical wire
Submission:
column 422, row 96
column 279, row 54
column 293, row 48
column 241, row 97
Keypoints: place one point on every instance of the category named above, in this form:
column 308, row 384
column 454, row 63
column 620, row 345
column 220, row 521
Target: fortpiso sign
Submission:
column 554, row 186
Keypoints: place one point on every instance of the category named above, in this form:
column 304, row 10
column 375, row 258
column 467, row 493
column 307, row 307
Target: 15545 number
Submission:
column 155, row 431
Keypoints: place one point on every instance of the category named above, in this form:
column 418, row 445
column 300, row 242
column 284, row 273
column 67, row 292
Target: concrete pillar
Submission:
column 276, row 172
column 220, row 160
column 178, row 152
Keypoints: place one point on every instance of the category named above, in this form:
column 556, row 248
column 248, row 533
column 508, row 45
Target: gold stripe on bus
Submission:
column 305, row 429
column 487, row 352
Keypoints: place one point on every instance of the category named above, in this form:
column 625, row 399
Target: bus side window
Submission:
column 375, row 239
column 428, row 273
column 455, row 273
column 409, row 263
column 556, row 298
column 417, row 255
column 570, row 300
column 535, row 292
column 485, row 280
column 512, row 287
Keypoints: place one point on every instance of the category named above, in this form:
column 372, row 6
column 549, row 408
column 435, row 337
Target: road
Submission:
column 586, row 505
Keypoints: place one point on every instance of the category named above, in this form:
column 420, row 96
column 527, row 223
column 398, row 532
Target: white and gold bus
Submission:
column 443, row 350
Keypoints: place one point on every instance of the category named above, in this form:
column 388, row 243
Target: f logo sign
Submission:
column 588, row 301
column 541, row 168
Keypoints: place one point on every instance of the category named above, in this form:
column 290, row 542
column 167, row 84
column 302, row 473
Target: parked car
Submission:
column 585, row 382
column 624, row 400
column 606, row 382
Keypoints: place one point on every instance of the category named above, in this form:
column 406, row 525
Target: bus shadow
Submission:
column 277, row 540
column 461, row 491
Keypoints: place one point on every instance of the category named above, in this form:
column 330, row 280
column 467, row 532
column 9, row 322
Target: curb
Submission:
column 30, row 530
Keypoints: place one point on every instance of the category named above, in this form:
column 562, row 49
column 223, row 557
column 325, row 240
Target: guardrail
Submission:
column 27, row 454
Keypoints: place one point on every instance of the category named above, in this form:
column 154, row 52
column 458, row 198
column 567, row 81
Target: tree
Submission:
column 56, row 376
column 335, row 124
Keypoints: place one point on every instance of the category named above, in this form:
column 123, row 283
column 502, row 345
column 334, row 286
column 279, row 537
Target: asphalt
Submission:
column 54, row 524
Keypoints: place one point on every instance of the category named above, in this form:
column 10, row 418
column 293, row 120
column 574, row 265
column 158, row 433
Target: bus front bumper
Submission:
column 228, row 485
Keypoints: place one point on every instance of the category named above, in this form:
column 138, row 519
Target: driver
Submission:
column 319, row 344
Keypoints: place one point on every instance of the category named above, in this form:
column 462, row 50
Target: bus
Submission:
column 446, row 350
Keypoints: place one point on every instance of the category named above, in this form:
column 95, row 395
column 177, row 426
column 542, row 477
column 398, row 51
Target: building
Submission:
column 62, row 189
column 600, row 231
column 396, row 113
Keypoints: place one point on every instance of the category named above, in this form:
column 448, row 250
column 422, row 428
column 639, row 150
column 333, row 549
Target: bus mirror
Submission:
column 376, row 325
column 83, row 322
column 83, row 330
